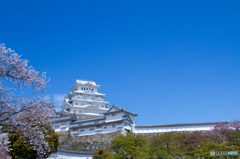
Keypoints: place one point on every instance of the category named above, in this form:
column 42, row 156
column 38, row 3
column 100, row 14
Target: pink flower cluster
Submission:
column 3, row 146
column 224, row 128
column 16, row 110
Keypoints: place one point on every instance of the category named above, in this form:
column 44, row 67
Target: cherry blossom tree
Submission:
column 224, row 129
column 235, row 125
column 16, row 110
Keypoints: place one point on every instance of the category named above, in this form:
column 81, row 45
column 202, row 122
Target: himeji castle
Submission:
column 84, row 100
column 85, row 112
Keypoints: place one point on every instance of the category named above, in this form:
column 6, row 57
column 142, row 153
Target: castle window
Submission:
column 80, row 124
column 91, row 129
column 84, row 88
column 82, row 130
column 57, row 126
column 80, row 111
column 92, row 98
column 63, row 124
column 113, row 114
column 76, row 103
column 92, row 89
column 105, row 127
column 96, row 122
column 87, row 88
column 113, row 125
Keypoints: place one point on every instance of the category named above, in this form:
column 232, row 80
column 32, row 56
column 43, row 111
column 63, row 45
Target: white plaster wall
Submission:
column 131, row 116
column 174, row 128
column 95, row 89
column 61, row 124
column 109, row 128
column 110, row 117
column 88, row 102
column 63, row 155
column 90, row 98
column 87, row 111
column 133, row 128
column 74, row 95
column 79, row 88
column 57, row 129
column 92, row 122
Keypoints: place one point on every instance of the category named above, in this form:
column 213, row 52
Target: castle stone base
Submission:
column 87, row 143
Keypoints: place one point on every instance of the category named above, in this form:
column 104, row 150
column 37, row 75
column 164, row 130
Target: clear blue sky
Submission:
column 167, row 61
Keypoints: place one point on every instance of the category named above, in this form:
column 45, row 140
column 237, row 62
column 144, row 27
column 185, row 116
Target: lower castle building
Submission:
column 114, row 120
column 84, row 112
column 117, row 119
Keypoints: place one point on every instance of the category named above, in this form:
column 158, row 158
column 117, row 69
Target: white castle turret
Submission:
column 84, row 100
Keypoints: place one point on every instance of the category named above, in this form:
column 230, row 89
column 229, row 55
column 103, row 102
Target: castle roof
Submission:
column 88, row 119
column 88, row 93
column 63, row 118
column 115, row 109
column 85, row 83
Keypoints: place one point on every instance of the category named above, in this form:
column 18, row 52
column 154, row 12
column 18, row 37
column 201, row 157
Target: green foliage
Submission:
column 52, row 140
column 174, row 145
column 209, row 144
column 20, row 147
column 102, row 154
column 130, row 145
column 162, row 146
column 234, row 138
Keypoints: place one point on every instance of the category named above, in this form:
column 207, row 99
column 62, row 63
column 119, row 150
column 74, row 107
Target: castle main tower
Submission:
column 84, row 100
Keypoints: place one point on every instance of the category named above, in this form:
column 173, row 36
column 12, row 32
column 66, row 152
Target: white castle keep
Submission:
column 84, row 100
column 85, row 112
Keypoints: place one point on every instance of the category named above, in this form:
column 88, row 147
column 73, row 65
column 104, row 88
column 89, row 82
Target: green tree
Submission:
column 102, row 154
column 21, row 147
column 130, row 145
column 208, row 144
column 174, row 144
column 234, row 138
column 162, row 146
column 185, row 143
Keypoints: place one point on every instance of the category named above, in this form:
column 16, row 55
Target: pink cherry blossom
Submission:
column 225, row 128
column 16, row 110
column 3, row 146
column 235, row 125
column 222, row 129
